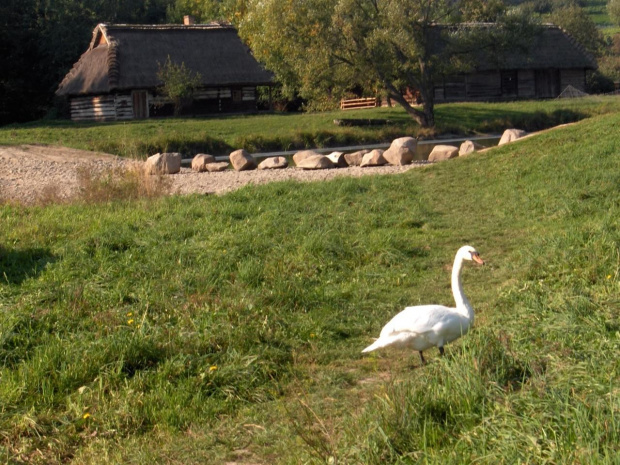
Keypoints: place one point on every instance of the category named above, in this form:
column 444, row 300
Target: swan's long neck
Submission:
column 462, row 304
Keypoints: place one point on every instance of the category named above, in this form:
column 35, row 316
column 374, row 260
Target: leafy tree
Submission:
column 613, row 8
column 324, row 47
column 578, row 24
column 205, row 11
column 178, row 83
column 40, row 40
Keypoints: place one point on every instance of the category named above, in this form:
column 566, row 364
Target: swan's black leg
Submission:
column 441, row 352
column 422, row 358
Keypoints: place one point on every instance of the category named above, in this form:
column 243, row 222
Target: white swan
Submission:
column 426, row 326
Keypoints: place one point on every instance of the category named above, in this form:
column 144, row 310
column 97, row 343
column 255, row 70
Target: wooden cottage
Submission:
column 116, row 78
column 553, row 61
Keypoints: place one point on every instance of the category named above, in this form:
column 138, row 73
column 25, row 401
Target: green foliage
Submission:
column 41, row 40
column 579, row 25
column 381, row 47
column 205, row 11
column 178, row 83
column 613, row 8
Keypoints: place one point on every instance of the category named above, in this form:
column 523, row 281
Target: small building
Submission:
column 553, row 61
column 116, row 78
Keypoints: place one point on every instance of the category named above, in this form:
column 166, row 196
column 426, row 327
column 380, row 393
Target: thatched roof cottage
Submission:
column 116, row 78
column 552, row 61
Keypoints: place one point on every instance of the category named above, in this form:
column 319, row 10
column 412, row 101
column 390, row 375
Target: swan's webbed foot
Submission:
column 422, row 358
column 441, row 351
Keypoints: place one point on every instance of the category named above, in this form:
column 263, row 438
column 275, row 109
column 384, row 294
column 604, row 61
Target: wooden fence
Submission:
column 358, row 103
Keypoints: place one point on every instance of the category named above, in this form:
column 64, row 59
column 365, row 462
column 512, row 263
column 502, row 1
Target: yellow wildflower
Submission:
column 86, row 415
column 129, row 314
column 129, row 322
column 608, row 276
column 212, row 368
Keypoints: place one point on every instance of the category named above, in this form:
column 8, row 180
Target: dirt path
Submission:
column 29, row 173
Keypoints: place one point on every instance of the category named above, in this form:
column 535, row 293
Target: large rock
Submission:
column 217, row 166
column 242, row 160
column 511, row 135
column 200, row 162
column 163, row 163
column 315, row 162
column 402, row 151
column 468, row 147
column 337, row 158
column 373, row 158
column 355, row 158
column 273, row 163
column 443, row 152
column 303, row 154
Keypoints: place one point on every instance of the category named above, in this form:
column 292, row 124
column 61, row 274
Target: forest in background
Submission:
column 40, row 40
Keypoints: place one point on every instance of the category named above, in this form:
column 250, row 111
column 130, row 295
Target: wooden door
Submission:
column 140, row 106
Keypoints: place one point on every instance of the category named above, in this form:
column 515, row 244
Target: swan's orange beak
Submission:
column 477, row 259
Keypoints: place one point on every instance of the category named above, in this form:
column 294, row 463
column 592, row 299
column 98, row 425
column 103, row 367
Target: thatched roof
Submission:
column 548, row 47
column 124, row 57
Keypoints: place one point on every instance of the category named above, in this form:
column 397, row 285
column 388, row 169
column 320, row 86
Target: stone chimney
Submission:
column 188, row 20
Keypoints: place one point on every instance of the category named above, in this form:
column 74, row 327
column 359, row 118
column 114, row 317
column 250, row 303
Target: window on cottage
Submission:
column 237, row 95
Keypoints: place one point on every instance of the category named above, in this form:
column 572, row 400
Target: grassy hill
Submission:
column 229, row 329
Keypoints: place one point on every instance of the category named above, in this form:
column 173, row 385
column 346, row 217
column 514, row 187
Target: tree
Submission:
column 178, row 83
column 613, row 8
column 324, row 47
column 578, row 24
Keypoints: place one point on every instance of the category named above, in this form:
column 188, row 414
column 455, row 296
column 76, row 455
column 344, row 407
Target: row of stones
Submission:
column 401, row 152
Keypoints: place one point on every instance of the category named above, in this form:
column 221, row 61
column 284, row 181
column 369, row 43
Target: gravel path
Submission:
column 29, row 173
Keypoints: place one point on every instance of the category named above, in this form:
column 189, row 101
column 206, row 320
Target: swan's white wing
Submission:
column 424, row 326
column 418, row 319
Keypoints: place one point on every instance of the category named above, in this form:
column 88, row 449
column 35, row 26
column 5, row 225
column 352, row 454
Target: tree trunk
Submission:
column 424, row 118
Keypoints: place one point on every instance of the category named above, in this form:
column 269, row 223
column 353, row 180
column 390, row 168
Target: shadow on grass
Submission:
column 18, row 265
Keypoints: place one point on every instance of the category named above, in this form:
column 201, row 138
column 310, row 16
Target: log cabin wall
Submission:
column 99, row 108
column 508, row 85
column 526, row 83
column 119, row 107
column 573, row 77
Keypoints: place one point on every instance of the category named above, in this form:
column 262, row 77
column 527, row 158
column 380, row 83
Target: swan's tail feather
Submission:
column 375, row 345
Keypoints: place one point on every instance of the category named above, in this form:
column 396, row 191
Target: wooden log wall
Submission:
column 484, row 85
column 101, row 108
column 526, row 83
column 120, row 106
column 572, row 77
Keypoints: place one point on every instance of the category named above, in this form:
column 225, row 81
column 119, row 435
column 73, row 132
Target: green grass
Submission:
column 597, row 10
column 293, row 131
column 209, row 329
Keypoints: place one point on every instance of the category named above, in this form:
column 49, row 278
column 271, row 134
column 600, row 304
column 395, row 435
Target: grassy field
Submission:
column 209, row 329
column 292, row 131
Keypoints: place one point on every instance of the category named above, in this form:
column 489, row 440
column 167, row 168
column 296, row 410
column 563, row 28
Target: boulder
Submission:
column 303, row 154
column 217, row 166
column 200, row 162
column 163, row 163
column 273, row 163
column 402, row 151
column 355, row 158
column 242, row 160
column 337, row 158
column 373, row 158
column 510, row 135
column 468, row 147
column 315, row 162
column 443, row 152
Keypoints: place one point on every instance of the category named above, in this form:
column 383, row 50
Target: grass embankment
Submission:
column 259, row 133
column 213, row 329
